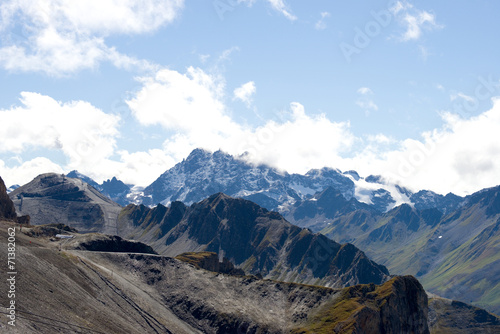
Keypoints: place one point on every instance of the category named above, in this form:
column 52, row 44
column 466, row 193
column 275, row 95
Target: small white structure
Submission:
column 64, row 236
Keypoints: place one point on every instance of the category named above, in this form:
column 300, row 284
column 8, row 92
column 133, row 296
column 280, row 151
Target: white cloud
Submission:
column 192, row 106
column 25, row 172
column 204, row 58
column 139, row 168
column 380, row 139
column 320, row 24
column 85, row 134
column 245, row 92
column 77, row 128
column 60, row 37
column 414, row 21
column 280, row 6
column 424, row 52
column 321, row 142
column 461, row 157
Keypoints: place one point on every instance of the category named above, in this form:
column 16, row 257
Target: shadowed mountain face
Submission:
column 257, row 240
column 7, row 209
column 54, row 198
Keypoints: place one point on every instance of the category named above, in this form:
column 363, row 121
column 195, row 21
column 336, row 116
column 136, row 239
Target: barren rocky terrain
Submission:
column 60, row 289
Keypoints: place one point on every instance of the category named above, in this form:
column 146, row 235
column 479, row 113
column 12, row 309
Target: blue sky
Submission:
column 129, row 88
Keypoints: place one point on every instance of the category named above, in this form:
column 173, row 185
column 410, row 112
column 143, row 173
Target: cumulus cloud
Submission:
column 77, row 128
column 461, row 157
column 192, row 106
column 245, row 92
column 60, row 37
column 140, row 168
column 413, row 20
column 300, row 143
column 26, row 171
column 85, row 134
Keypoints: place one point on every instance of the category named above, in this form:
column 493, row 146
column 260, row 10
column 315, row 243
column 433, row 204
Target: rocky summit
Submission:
column 55, row 198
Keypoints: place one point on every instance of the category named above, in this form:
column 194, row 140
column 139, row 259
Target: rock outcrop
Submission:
column 397, row 306
column 7, row 209
column 107, row 243
column 210, row 261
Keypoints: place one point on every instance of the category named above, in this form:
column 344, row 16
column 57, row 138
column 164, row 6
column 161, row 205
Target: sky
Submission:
column 128, row 88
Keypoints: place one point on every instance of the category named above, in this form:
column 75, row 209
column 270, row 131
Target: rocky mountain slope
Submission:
column 253, row 238
column 54, row 198
column 454, row 254
column 107, row 292
column 7, row 209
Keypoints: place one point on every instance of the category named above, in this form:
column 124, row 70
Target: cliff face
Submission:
column 7, row 209
column 397, row 306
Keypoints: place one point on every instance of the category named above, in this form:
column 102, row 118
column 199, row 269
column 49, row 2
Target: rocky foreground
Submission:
column 60, row 288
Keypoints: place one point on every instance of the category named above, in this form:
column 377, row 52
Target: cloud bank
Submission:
column 462, row 156
column 60, row 37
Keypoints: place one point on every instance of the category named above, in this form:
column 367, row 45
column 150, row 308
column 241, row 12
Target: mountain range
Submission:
column 449, row 242
column 453, row 254
column 204, row 173
column 253, row 238
column 67, row 290
column 238, row 231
